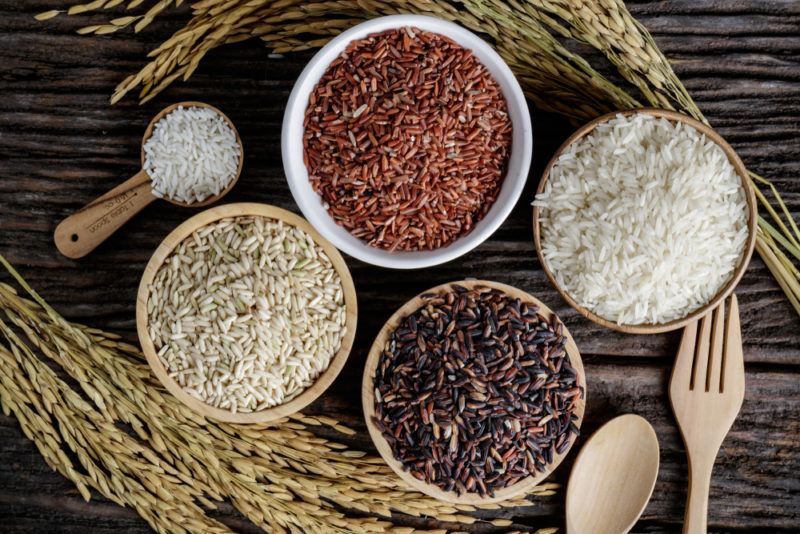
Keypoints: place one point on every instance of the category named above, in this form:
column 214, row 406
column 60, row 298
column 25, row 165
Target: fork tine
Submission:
column 733, row 358
column 701, row 351
column 682, row 370
column 715, row 362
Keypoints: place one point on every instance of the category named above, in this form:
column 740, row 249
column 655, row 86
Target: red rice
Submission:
column 407, row 138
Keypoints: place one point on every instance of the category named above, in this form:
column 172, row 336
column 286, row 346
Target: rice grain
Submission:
column 407, row 139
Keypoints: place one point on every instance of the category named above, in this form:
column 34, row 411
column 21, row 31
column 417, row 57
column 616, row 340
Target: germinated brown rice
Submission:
column 246, row 313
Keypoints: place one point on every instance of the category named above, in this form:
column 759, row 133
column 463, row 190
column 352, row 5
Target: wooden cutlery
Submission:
column 706, row 390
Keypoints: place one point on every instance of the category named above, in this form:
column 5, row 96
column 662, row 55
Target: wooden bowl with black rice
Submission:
column 474, row 392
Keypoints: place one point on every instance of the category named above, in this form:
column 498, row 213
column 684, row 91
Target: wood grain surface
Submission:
column 62, row 145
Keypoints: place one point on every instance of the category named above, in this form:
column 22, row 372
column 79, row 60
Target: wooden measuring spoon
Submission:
column 83, row 231
column 613, row 477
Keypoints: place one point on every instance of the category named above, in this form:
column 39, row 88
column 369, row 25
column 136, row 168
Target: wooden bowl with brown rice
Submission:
column 245, row 313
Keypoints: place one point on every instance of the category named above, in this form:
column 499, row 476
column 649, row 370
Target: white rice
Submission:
column 191, row 155
column 246, row 313
column 643, row 220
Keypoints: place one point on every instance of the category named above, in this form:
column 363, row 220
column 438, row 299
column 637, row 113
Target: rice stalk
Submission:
column 172, row 465
column 564, row 82
column 794, row 237
column 777, row 236
column 780, row 267
column 608, row 26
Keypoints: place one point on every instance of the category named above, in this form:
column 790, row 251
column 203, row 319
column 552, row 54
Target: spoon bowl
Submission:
column 613, row 477
column 83, row 231
column 191, row 104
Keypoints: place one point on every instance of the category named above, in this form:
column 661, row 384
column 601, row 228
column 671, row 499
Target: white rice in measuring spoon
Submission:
column 643, row 220
column 191, row 155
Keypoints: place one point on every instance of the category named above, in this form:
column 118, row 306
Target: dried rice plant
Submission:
column 114, row 429
column 527, row 34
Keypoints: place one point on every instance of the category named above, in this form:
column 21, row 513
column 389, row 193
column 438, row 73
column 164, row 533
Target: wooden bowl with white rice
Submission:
column 245, row 313
column 644, row 220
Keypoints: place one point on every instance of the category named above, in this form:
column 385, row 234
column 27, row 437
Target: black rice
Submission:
column 474, row 391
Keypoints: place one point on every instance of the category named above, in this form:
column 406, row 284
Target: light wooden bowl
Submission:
column 654, row 328
column 368, row 399
column 182, row 232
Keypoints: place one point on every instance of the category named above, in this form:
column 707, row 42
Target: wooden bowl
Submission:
column 185, row 230
column 750, row 198
column 385, row 450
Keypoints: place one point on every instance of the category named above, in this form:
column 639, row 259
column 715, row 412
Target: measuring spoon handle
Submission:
column 83, row 231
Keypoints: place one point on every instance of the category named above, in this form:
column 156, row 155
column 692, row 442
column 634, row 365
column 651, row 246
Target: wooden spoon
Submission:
column 613, row 477
column 83, row 231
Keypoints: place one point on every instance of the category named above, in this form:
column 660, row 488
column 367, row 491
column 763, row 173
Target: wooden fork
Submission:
column 706, row 390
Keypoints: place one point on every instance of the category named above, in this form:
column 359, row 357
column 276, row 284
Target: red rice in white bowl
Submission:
column 490, row 207
column 407, row 138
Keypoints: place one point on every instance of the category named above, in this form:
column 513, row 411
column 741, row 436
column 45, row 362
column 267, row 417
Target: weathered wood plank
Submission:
column 61, row 145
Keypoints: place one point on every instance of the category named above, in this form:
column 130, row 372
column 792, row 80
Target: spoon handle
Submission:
column 83, row 231
column 695, row 519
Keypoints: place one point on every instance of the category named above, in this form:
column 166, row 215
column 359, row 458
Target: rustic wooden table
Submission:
column 62, row 144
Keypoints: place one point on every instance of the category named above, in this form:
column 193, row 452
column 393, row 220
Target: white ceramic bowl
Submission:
column 310, row 202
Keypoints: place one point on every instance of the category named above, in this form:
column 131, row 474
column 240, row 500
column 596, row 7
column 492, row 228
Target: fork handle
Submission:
column 695, row 519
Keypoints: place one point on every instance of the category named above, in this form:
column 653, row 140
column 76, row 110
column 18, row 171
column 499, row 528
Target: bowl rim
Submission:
column 309, row 201
column 744, row 261
column 183, row 231
column 383, row 447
